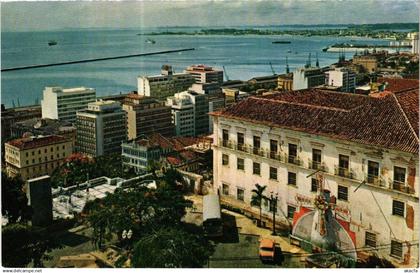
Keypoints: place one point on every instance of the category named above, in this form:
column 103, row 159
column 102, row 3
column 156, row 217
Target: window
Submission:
column 33, row 153
column 291, row 178
column 39, row 152
column 273, row 173
column 27, row 154
column 225, row 136
column 373, row 171
column 64, row 147
column 241, row 142
column 273, row 148
column 292, row 153
column 225, row 189
column 314, row 185
column 225, row 159
column 290, row 211
column 27, row 162
column 240, row 194
column 398, row 208
column 52, row 149
column 396, row 249
column 343, row 193
column 240, row 164
column 256, row 168
column 399, row 174
column 370, row 239
column 33, row 160
column 316, row 159
column 343, row 162
column 45, row 150
column 257, row 144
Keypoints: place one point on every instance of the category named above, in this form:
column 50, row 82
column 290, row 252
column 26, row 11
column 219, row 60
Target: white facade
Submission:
column 182, row 114
column 164, row 85
column 304, row 78
column 341, row 77
column 369, row 210
column 414, row 41
column 62, row 104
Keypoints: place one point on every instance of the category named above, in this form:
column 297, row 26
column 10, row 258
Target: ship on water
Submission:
column 150, row 41
column 281, row 42
column 52, row 43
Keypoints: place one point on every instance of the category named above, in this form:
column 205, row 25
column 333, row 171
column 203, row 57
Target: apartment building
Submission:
column 36, row 156
column 10, row 116
column 365, row 147
column 368, row 62
column 205, row 74
column 308, row 77
column 190, row 113
column 146, row 115
column 341, row 77
column 101, row 128
column 62, row 104
column 164, row 85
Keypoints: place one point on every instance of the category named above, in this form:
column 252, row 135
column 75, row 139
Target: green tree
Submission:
column 22, row 244
column 14, row 204
column 257, row 198
column 171, row 247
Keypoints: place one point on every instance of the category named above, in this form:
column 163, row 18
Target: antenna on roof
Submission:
column 317, row 61
column 287, row 66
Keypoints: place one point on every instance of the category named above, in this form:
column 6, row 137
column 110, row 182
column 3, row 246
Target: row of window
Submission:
column 45, row 158
column 343, row 160
column 46, row 150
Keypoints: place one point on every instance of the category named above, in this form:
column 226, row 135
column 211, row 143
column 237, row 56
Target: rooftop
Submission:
column 389, row 120
column 397, row 85
column 34, row 142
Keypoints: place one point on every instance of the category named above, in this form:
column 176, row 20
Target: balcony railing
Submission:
column 293, row 159
column 241, row 147
column 316, row 165
column 258, row 151
column 275, row 155
column 401, row 186
column 375, row 180
column 344, row 172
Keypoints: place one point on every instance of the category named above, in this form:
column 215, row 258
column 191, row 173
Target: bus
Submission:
column 212, row 218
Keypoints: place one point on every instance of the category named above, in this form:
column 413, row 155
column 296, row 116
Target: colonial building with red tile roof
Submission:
column 365, row 147
column 36, row 156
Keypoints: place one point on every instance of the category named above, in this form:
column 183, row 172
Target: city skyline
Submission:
column 30, row 16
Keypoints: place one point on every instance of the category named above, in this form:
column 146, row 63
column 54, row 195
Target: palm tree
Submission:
column 257, row 197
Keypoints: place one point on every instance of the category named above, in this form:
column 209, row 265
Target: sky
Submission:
column 37, row 16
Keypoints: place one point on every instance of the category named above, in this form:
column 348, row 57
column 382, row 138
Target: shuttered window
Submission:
column 398, row 208
column 396, row 249
column 343, row 193
column 370, row 239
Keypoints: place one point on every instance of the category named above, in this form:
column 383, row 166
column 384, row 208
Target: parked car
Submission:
column 267, row 249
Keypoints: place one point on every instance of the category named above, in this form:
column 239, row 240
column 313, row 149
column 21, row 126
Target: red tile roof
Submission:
column 30, row 143
column 398, row 85
column 389, row 121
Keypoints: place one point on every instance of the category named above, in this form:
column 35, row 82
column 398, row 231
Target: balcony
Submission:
column 316, row 165
column 293, row 159
column 344, row 172
column 258, row 151
column 275, row 155
column 240, row 147
column 375, row 180
column 400, row 186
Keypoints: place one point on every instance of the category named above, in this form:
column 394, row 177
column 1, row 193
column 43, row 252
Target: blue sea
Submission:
column 244, row 57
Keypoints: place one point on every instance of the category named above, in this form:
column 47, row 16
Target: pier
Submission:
column 95, row 60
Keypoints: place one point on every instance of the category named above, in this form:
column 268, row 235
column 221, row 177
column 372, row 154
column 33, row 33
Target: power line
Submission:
column 95, row 60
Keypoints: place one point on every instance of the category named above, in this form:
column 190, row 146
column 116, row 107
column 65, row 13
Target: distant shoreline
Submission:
column 349, row 32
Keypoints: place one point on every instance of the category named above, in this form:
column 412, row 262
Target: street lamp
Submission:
column 273, row 201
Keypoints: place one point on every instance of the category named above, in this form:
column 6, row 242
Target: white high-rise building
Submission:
column 62, row 104
column 341, row 77
column 182, row 114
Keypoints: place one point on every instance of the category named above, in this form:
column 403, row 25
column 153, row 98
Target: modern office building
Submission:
column 205, row 74
column 146, row 115
column 62, row 104
column 164, row 85
column 183, row 114
column 341, row 77
column 308, row 77
column 365, row 147
column 101, row 128
column 36, row 156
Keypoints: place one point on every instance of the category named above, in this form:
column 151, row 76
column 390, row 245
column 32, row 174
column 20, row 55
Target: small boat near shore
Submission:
column 150, row 41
